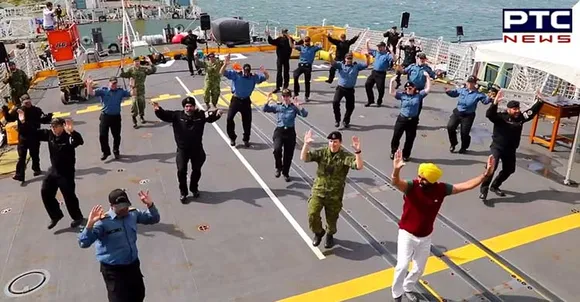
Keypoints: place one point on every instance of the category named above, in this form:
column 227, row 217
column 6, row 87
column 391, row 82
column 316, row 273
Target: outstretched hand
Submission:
column 68, row 126
column 356, row 143
column 308, row 137
column 155, row 105
column 20, row 114
column 95, row 215
column 144, row 196
column 398, row 162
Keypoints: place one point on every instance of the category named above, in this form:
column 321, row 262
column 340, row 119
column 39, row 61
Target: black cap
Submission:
column 286, row 92
column 247, row 67
column 382, row 44
column 335, row 135
column 472, row 79
column 11, row 63
column 118, row 199
column 513, row 104
column 57, row 121
column 422, row 56
column 137, row 59
column 188, row 100
column 410, row 84
column 113, row 79
column 349, row 55
column 285, row 31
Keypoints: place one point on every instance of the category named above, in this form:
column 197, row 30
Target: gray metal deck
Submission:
column 251, row 252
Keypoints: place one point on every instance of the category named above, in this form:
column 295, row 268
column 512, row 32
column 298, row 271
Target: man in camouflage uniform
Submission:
column 19, row 83
column 212, row 80
column 333, row 165
column 138, row 73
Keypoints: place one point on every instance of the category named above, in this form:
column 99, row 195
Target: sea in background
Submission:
column 433, row 19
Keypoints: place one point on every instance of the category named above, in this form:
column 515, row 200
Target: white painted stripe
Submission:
column 261, row 182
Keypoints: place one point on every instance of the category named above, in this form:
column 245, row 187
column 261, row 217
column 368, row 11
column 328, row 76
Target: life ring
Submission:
column 102, row 18
column 180, row 27
column 86, row 40
column 175, row 16
column 113, row 48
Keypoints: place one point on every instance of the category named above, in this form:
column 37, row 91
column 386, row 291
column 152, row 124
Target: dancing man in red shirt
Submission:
column 422, row 197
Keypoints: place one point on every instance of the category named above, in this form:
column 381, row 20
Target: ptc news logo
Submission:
column 537, row 26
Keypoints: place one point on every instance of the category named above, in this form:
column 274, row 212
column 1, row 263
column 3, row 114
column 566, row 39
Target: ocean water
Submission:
column 429, row 18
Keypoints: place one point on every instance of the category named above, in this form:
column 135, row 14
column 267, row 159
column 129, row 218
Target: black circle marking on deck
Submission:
column 6, row 211
column 203, row 228
column 26, row 283
column 144, row 181
column 121, row 170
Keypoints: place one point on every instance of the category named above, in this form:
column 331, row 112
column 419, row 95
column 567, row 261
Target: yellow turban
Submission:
column 430, row 172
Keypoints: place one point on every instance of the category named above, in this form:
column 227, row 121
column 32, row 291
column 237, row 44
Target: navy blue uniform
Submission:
column 110, row 118
column 464, row 115
column 407, row 121
column 115, row 239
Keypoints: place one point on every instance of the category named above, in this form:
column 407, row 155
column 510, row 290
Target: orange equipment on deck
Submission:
column 63, row 42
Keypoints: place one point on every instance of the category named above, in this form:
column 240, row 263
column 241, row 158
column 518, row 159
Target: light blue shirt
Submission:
column 468, row 99
column 242, row 86
column 116, row 237
column 416, row 76
column 347, row 74
column 383, row 60
column 111, row 99
column 285, row 114
column 307, row 53
column 410, row 103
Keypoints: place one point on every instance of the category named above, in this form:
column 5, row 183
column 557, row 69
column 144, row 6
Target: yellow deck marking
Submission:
column 91, row 108
column 384, row 279
column 126, row 103
column 60, row 114
column 258, row 99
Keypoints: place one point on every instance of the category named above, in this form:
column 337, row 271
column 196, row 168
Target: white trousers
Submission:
column 409, row 248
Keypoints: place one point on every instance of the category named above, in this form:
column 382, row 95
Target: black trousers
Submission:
column 508, row 167
column 378, row 78
column 66, row 183
column 25, row 146
column 190, row 59
column 466, row 121
column 182, row 159
column 282, row 73
column 348, row 95
column 305, row 69
column 408, row 126
column 284, row 143
column 124, row 282
column 244, row 107
column 113, row 123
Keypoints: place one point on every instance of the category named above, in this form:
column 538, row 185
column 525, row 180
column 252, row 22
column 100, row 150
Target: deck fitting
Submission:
column 6, row 211
column 26, row 283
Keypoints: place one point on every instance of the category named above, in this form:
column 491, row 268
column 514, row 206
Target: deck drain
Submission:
column 6, row 211
column 120, row 170
column 26, row 283
column 203, row 228
column 573, row 211
column 144, row 181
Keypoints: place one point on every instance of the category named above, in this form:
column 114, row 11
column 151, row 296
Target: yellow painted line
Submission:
column 384, row 279
column 60, row 114
column 91, row 108
column 127, row 103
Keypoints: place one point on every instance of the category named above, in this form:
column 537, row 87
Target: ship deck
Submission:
column 247, row 237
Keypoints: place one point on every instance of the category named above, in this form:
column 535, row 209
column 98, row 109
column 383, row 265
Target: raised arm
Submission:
column 476, row 181
column 306, row 155
column 427, row 88
column 212, row 116
column 332, row 40
column 491, row 112
column 149, row 216
column 392, row 90
column 165, row 115
column 452, row 92
column 398, row 164
column 94, row 229
column 535, row 109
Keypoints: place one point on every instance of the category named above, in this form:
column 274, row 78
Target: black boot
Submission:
column 329, row 241
column 317, row 238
